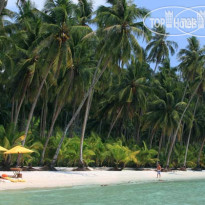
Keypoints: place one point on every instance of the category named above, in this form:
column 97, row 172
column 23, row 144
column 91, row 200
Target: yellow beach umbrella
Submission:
column 2, row 149
column 18, row 150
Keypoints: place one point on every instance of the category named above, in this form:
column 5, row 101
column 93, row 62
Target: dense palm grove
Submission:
column 77, row 87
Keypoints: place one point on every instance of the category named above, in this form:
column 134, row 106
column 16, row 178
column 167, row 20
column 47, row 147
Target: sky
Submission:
column 148, row 4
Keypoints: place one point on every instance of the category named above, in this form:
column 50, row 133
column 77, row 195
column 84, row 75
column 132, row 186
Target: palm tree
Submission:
column 190, row 132
column 163, row 114
column 56, row 35
column 73, row 81
column 132, row 93
column 84, row 12
column 159, row 47
column 181, row 118
column 191, row 59
column 111, row 33
column 26, row 59
column 199, row 131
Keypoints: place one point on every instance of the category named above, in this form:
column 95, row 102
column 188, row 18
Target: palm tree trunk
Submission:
column 12, row 110
column 95, row 80
column 200, row 151
column 55, row 116
column 44, row 123
column 57, row 109
column 169, row 138
column 114, row 122
column 74, row 122
column 155, row 67
column 189, row 136
column 35, row 102
column 151, row 138
column 20, row 105
column 138, row 133
column 23, row 119
column 185, row 91
column 181, row 137
column 89, row 101
column 182, row 116
column 41, row 120
column 187, row 147
column 160, row 144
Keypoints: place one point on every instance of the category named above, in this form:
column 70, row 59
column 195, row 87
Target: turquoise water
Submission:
column 160, row 193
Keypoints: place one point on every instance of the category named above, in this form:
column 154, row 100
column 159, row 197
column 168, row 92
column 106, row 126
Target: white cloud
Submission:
column 40, row 3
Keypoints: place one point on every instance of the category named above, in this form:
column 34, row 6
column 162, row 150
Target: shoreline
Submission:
column 67, row 178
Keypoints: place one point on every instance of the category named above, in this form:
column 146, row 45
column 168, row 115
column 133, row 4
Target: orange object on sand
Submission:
column 4, row 175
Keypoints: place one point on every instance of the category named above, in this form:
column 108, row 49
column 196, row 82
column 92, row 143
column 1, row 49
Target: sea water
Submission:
column 159, row 193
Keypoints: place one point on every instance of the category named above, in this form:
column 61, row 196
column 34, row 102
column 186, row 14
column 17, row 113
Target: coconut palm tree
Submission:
column 192, row 61
column 56, row 35
column 195, row 89
column 111, row 33
column 159, row 47
column 84, row 12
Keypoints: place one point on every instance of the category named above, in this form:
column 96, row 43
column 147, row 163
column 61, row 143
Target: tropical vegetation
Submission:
column 79, row 87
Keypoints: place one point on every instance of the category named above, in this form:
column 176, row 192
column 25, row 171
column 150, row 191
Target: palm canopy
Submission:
column 84, row 11
column 192, row 59
column 119, row 26
column 164, row 113
column 159, row 47
column 134, row 84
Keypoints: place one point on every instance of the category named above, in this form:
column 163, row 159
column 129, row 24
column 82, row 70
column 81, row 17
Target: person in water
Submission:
column 159, row 168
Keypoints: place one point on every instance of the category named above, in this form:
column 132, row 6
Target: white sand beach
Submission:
column 65, row 178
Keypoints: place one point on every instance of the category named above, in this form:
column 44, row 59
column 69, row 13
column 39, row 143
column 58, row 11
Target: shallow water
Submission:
column 160, row 193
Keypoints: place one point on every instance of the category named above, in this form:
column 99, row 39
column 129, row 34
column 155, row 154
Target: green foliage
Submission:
column 121, row 154
column 147, row 157
column 56, row 52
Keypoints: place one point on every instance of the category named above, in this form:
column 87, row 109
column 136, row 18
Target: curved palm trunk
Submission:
column 74, row 123
column 138, row 133
column 189, row 136
column 12, row 110
column 89, row 101
column 55, row 116
column 95, row 80
column 43, row 119
column 57, row 109
column 155, row 67
column 160, row 145
column 185, row 91
column 169, row 138
column 200, row 151
column 176, row 132
column 34, row 103
column 151, row 138
column 49, row 132
column 187, row 147
column 19, row 106
column 181, row 137
column 114, row 122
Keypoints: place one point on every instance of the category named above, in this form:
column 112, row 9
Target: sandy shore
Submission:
column 66, row 177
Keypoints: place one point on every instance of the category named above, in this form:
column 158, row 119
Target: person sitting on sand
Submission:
column 159, row 168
